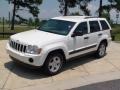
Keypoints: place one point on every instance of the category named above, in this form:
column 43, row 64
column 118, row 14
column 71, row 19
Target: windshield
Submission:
column 57, row 26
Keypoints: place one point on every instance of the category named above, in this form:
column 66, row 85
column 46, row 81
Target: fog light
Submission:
column 31, row 60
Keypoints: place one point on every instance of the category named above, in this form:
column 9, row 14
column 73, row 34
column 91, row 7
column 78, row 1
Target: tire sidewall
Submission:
column 46, row 64
column 98, row 51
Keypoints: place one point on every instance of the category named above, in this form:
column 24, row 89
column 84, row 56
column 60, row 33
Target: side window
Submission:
column 104, row 25
column 94, row 26
column 82, row 27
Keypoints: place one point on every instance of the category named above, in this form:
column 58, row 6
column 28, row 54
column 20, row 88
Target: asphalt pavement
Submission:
column 108, row 85
column 85, row 73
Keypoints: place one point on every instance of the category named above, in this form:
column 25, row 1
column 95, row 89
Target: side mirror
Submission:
column 77, row 33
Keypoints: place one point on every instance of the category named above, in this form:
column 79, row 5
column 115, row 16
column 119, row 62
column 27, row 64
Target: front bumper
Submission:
column 24, row 64
column 25, row 58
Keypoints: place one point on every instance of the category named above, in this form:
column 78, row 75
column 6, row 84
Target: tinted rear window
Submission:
column 104, row 25
column 94, row 26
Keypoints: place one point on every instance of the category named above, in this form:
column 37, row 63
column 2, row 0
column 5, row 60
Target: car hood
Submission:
column 37, row 37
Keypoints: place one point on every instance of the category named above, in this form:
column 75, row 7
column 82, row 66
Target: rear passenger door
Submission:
column 94, row 34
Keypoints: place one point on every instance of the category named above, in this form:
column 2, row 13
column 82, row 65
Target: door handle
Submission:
column 86, row 37
column 100, row 34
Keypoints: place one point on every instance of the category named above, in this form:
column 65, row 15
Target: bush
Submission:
column 115, row 29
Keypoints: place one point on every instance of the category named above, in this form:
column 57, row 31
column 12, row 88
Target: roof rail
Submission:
column 90, row 17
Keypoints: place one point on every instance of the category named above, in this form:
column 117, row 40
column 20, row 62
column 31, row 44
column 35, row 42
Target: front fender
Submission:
column 52, row 47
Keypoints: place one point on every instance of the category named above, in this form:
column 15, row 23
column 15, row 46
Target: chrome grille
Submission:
column 17, row 46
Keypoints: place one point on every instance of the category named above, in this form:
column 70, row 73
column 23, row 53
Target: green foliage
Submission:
column 116, row 29
column 66, row 4
column 30, row 5
column 83, row 4
column 0, row 20
column 75, row 14
column 30, row 22
column 113, row 4
column 107, row 16
column 117, row 6
column 117, row 37
column 37, row 22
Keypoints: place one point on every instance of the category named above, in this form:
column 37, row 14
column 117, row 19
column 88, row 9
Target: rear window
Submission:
column 104, row 25
column 94, row 26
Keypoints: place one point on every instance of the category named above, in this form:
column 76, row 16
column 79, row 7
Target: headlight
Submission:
column 33, row 49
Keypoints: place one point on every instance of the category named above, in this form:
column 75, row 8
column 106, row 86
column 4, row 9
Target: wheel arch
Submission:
column 105, row 41
column 58, row 51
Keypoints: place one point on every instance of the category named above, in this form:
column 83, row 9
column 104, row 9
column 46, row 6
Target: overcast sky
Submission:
column 48, row 9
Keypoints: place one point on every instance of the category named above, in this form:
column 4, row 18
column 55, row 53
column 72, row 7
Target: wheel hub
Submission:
column 54, row 64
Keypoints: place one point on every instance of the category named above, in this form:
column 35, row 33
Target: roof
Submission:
column 75, row 18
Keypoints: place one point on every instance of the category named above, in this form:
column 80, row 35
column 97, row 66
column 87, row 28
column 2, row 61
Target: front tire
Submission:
column 53, row 64
column 101, row 50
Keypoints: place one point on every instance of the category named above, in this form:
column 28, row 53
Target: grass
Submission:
column 116, row 32
column 116, row 29
column 117, row 37
column 4, row 38
column 18, row 28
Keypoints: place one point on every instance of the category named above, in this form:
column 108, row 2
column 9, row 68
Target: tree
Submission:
column 30, row 22
column 66, row 4
column 83, row 5
column 37, row 22
column 0, row 20
column 117, row 16
column 100, row 8
column 30, row 5
column 117, row 6
column 76, row 13
column 113, row 4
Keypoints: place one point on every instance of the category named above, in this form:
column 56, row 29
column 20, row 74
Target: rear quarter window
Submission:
column 104, row 25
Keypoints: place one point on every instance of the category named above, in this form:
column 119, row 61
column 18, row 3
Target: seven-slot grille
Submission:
column 17, row 46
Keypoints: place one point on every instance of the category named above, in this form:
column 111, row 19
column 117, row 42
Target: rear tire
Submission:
column 53, row 64
column 101, row 50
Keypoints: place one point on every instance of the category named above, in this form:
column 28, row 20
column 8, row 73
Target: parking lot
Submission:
column 14, row 77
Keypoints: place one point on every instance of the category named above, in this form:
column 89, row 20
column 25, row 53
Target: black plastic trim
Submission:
column 79, row 50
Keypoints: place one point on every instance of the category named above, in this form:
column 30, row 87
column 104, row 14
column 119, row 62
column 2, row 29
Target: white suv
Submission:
column 60, row 39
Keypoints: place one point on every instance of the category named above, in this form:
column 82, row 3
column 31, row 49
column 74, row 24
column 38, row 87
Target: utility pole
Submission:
column 9, row 19
column 9, row 14
column 3, row 26
column 13, row 17
column 66, row 8
column 100, row 8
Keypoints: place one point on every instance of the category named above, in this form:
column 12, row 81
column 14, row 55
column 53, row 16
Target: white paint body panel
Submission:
column 50, row 42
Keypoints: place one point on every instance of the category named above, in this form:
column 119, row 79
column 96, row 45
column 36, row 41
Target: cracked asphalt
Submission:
column 15, row 77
